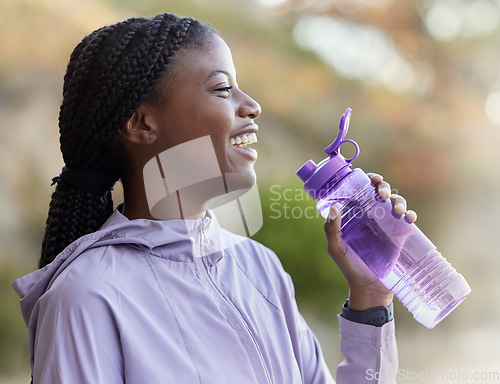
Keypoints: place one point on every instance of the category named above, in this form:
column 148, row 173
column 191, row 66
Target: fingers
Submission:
column 383, row 188
column 400, row 207
column 375, row 178
column 399, row 202
column 411, row 215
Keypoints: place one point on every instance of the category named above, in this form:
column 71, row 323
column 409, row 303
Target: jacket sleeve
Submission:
column 370, row 353
column 77, row 336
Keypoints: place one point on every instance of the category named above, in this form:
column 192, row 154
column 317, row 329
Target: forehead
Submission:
column 199, row 62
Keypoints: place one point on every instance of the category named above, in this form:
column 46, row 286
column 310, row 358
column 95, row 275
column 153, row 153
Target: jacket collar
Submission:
column 178, row 240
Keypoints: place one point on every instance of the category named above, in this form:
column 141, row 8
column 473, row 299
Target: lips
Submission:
column 243, row 139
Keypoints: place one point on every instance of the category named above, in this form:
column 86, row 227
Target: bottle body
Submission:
column 396, row 250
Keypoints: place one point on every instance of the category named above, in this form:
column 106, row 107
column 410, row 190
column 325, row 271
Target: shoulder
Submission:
column 78, row 316
column 93, row 278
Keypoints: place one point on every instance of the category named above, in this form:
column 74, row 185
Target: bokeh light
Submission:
column 448, row 19
column 270, row 3
column 492, row 105
column 361, row 52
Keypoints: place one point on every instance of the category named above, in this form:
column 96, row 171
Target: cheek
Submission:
column 219, row 119
column 217, row 123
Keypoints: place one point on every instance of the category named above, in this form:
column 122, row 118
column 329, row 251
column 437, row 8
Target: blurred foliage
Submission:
column 13, row 335
column 434, row 144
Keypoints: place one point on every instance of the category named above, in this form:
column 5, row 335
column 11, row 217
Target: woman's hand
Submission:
column 365, row 289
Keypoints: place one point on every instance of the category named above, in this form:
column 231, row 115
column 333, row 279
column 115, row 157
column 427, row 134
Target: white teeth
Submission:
column 242, row 140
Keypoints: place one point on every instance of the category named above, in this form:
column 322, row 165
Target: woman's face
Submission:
column 202, row 98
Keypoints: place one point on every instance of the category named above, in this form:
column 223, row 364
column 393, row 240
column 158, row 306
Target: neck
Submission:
column 188, row 203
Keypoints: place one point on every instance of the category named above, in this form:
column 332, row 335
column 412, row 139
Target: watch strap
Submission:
column 374, row 316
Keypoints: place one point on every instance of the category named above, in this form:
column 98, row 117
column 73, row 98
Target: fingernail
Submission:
column 399, row 207
column 411, row 216
column 385, row 192
column 331, row 214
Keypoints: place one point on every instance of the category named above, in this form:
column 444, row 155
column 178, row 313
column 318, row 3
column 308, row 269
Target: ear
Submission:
column 141, row 128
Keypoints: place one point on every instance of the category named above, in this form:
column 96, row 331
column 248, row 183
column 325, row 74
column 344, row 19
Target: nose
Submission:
column 248, row 107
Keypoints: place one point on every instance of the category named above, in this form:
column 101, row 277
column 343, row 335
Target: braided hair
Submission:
column 111, row 72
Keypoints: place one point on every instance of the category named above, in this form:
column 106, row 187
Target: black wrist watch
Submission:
column 373, row 316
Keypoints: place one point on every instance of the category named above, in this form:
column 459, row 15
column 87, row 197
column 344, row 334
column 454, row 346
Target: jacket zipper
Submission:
column 225, row 303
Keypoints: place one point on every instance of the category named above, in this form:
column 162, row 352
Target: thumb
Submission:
column 335, row 244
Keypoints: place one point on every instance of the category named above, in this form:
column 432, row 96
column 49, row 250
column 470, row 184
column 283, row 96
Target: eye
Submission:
column 223, row 89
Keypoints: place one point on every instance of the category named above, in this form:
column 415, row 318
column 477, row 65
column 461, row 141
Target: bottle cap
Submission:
column 315, row 177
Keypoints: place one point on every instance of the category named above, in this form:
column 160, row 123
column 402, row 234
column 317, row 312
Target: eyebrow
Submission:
column 216, row 72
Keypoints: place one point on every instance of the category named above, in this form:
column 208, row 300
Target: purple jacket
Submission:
column 181, row 301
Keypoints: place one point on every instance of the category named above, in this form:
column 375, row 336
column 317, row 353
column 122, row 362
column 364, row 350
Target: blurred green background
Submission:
column 423, row 80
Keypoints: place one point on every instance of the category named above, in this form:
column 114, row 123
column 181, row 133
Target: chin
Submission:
column 239, row 181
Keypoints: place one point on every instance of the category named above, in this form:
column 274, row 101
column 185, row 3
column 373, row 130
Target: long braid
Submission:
column 110, row 74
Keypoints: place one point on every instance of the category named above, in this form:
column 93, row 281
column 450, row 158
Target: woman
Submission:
column 126, row 296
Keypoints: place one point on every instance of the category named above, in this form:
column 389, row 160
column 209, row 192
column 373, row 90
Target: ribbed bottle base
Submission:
column 431, row 289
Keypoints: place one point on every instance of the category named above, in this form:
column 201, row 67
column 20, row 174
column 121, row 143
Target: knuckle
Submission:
column 384, row 184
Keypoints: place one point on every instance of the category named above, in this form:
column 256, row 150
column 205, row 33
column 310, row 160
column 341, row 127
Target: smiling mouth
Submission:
column 243, row 140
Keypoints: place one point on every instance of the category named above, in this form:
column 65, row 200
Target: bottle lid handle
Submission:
column 334, row 148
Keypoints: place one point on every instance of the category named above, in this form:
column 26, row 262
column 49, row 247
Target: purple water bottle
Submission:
column 399, row 253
